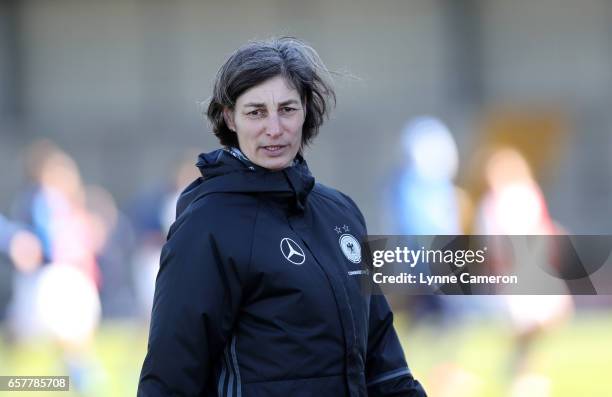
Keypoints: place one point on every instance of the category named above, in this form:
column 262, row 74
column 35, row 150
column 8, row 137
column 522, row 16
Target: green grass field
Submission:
column 468, row 360
column 575, row 359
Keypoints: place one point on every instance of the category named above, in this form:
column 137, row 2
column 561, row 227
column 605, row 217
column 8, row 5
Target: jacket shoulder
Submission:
column 339, row 198
column 224, row 216
column 219, row 207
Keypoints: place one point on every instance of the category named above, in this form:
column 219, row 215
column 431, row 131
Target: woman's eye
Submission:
column 256, row 112
column 288, row 109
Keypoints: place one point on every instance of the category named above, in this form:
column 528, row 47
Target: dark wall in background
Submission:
column 117, row 84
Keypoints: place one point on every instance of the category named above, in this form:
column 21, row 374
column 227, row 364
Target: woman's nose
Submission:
column 273, row 127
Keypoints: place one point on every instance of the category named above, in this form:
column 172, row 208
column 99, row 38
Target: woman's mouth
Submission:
column 274, row 149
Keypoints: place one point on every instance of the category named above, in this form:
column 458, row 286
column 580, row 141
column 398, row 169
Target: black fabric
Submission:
column 232, row 316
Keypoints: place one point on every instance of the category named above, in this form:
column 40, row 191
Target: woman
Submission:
column 258, row 292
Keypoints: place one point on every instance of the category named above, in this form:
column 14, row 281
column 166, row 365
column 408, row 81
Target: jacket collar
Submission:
column 228, row 170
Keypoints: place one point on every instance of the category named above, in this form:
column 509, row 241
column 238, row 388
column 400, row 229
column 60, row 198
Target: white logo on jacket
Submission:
column 350, row 247
column 292, row 251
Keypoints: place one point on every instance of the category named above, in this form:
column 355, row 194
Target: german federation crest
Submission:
column 350, row 247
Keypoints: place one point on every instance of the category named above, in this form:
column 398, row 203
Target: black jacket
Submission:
column 258, row 293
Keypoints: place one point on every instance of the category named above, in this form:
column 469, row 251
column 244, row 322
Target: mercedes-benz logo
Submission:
column 292, row 251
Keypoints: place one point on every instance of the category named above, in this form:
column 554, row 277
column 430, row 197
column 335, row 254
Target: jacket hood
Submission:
column 229, row 171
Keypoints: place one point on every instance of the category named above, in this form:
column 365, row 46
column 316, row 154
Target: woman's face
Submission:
column 268, row 121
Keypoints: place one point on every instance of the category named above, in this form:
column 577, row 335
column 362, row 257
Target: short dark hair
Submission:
column 258, row 61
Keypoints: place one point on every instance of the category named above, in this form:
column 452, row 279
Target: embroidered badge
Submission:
column 350, row 247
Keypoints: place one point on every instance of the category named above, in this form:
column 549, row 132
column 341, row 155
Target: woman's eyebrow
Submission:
column 289, row 102
column 254, row 105
column 263, row 105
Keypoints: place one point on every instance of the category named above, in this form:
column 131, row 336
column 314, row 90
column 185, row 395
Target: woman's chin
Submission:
column 275, row 163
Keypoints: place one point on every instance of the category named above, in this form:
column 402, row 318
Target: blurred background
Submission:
column 473, row 116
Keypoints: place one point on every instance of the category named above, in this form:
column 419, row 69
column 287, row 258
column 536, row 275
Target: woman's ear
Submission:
column 228, row 116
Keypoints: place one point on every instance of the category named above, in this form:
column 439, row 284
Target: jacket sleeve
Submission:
column 197, row 296
column 387, row 373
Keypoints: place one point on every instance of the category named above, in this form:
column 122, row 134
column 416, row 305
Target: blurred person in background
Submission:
column 22, row 246
column 54, row 206
column 147, row 212
column 424, row 199
column 259, row 287
column 153, row 211
column 514, row 205
column 60, row 299
column 113, row 244
column 23, row 250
